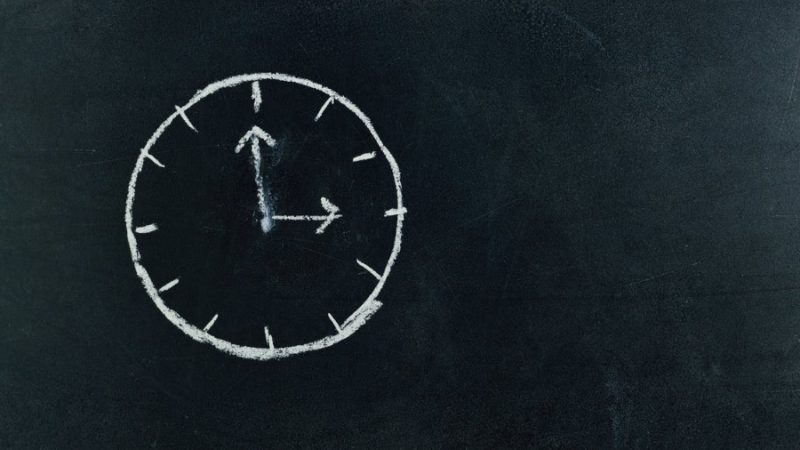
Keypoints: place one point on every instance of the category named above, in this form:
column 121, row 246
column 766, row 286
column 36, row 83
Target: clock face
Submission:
column 264, row 216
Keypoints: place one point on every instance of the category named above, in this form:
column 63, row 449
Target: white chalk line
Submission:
column 324, row 107
column 253, row 135
column 147, row 228
column 395, row 212
column 169, row 285
column 155, row 161
column 364, row 157
column 266, row 222
column 308, row 218
column 256, row 96
column 329, row 207
column 369, row 269
column 356, row 320
column 335, row 323
column 185, row 118
column 269, row 339
column 211, row 323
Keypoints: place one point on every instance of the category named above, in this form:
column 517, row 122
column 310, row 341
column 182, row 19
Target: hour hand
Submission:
column 254, row 136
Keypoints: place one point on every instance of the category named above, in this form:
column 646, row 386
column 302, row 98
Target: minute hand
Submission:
column 329, row 207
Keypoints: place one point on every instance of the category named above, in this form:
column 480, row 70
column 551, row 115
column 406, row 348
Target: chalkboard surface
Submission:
column 600, row 244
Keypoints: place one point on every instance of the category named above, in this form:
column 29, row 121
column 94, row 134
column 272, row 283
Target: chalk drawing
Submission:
column 326, row 220
column 254, row 137
column 256, row 96
column 185, row 118
column 369, row 269
column 169, row 285
column 155, row 161
column 335, row 323
column 211, row 323
column 269, row 338
column 324, row 107
column 147, row 228
column 395, row 212
column 364, row 157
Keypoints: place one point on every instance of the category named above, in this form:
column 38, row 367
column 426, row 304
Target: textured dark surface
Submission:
column 601, row 250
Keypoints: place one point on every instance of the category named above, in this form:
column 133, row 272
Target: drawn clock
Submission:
column 264, row 216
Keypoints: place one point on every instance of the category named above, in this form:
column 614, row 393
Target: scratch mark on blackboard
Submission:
column 443, row 236
column 303, row 247
column 52, row 150
column 593, row 38
column 304, row 49
column 104, row 161
column 794, row 80
column 488, row 213
column 663, row 274
column 791, row 91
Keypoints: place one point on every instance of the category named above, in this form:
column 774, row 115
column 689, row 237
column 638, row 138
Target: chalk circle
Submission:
column 349, row 326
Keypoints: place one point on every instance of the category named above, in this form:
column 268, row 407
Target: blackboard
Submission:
column 600, row 241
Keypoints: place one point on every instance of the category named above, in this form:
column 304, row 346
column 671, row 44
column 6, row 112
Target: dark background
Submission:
column 601, row 248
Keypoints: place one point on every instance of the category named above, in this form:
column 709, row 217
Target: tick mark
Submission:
column 185, row 118
column 324, row 107
column 395, row 212
column 269, row 339
column 369, row 269
column 256, row 96
column 155, row 161
column 147, row 228
column 210, row 323
column 169, row 285
column 335, row 323
column 364, row 157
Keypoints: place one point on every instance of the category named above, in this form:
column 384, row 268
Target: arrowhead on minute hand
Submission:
column 253, row 135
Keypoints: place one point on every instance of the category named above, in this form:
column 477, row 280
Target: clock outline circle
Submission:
column 346, row 329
